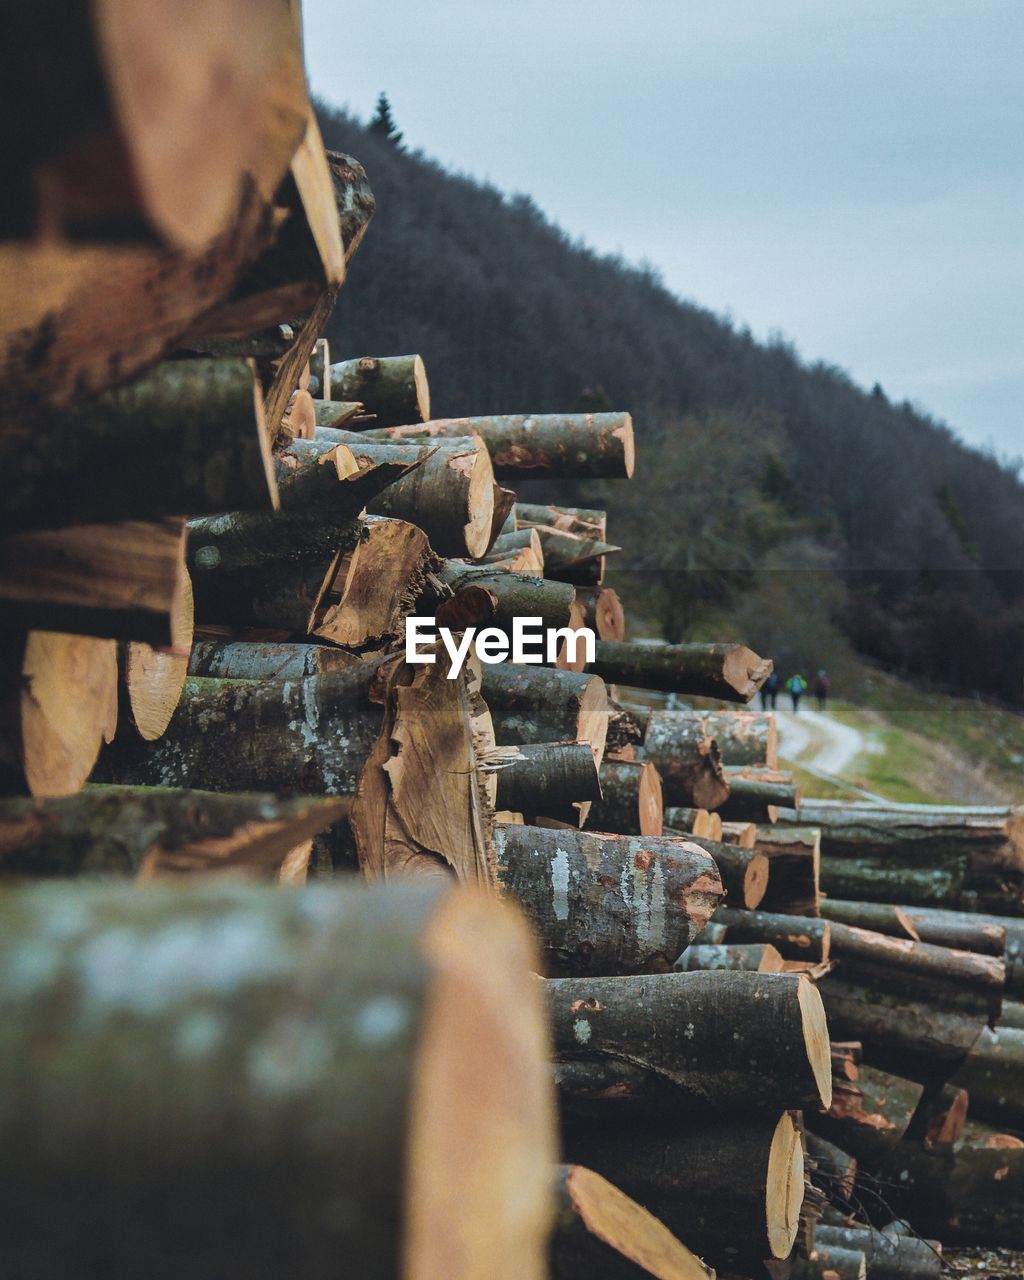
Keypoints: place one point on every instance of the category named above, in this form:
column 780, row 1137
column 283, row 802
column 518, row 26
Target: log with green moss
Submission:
column 385, row 1047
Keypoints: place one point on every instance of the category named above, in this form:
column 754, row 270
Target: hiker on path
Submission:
column 822, row 688
column 796, row 687
column 770, row 691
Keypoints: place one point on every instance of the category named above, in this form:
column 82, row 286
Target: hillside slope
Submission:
column 777, row 495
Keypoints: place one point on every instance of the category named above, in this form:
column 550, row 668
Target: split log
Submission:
column 941, row 1114
column 730, row 672
column 967, row 1194
column 993, row 1075
column 149, row 136
column 889, row 1256
column 744, row 737
column 744, row 871
column 553, row 779
column 687, row 759
column 830, row 1262
column 601, row 1234
column 796, row 937
column 752, row 957
column 532, row 704
column 118, row 581
column 690, row 1042
column 586, row 521
column 238, row 660
column 503, row 520
column 602, row 612
column 757, row 795
column 868, row 1117
column 189, row 436
column 522, row 446
column 630, row 801
column 417, row 1099
column 128, row 831
column 794, row 859
column 394, row 389
column 58, row 705
column 732, row 1190
column 697, row 821
column 607, row 904
column 154, row 678
column 835, row 1171
column 743, row 834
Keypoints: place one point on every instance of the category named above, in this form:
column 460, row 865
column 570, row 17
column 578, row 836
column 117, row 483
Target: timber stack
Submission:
column 281, row 888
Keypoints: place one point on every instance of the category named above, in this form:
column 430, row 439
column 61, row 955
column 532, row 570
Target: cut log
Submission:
column 554, row 780
column 299, row 422
column 189, row 436
column 149, row 136
column 796, row 937
column 523, row 446
column 59, row 704
column 152, row 831
column 585, row 521
column 794, row 859
column 835, row 1171
column 394, row 389
column 907, row 964
column 751, row 957
column 744, row 737
column 830, row 1262
column 687, row 759
column 503, row 520
column 518, row 552
column 534, row 704
column 674, row 1042
column 239, row 660
column 941, row 1114
column 698, row 822
column 993, row 1075
column 154, row 678
column 732, row 1190
column 571, row 557
column 607, row 904
column 757, row 795
column 743, row 834
column 417, row 1097
column 744, row 871
column 335, row 415
column 730, row 672
column 630, row 802
column 869, row 1116
column 889, row 1256
column 118, row 581
column 602, row 612
column 601, row 1234
column 513, row 595
column 961, row 930
column 320, row 360
column 625, row 734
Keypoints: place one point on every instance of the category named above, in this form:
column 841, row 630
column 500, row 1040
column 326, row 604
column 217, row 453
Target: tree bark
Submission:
column 630, row 802
column 730, row 672
column 394, row 389
column 835, row 1171
column 732, row 1190
column 992, row 1074
column 751, row 957
column 596, row 446
column 889, row 1257
column 743, row 834
column 693, row 1042
column 601, row 1234
column 236, row 1045
column 337, row 415
column 757, row 795
column 128, row 831
column 699, row 822
column 830, row 1262
column 607, row 904
column 744, row 737
column 532, row 704
column 237, row 660
column 572, row 557
column 960, row 930
column 625, row 734
column 553, row 779
column 796, row 937
column 602, row 612
column 513, row 595
column 188, row 436
column 117, row 581
column 58, row 703
column 794, row 861
column 154, row 678
column 687, row 759
column 744, row 871
column 518, row 552
column 869, row 1116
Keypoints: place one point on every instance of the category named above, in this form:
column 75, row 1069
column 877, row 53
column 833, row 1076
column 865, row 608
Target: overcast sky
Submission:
column 849, row 173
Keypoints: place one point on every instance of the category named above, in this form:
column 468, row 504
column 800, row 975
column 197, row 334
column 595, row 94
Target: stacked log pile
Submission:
column 213, row 538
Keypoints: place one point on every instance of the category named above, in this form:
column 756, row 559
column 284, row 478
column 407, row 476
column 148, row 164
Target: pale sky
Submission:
column 849, row 173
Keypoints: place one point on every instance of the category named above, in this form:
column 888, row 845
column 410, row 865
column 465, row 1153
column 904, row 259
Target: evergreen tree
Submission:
column 383, row 123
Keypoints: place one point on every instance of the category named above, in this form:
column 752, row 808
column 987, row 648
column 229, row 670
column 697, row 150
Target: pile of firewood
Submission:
column 211, row 542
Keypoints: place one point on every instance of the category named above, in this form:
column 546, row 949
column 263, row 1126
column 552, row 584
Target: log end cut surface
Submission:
column 155, row 677
column 816, row 1038
column 784, row 1193
column 755, row 881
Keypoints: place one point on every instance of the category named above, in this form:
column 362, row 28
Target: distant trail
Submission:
column 822, row 746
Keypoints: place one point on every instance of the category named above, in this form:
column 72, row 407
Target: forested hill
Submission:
column 772, row 498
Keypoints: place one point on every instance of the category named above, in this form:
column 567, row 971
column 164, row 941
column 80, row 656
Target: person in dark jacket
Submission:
column 770, row 691
column 822, row 688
